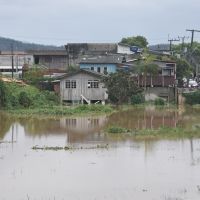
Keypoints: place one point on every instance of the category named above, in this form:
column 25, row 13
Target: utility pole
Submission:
column 192, row 38
column 170, row 43
column 183, row 41
column 12, row 60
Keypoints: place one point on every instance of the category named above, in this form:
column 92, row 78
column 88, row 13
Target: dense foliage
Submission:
column 35, row 76
column 20, row 96
column 121, row 87
column 183, row 69
column 24, row 100
column 192, row 98
column 2, row 94
column 139, row 41
column 159, row 102
column 137, row 99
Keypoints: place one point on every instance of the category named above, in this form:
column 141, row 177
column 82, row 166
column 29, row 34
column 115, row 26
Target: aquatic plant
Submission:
column 66, row 148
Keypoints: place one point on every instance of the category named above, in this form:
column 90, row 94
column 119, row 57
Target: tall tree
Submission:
column 139, row 41
column 183, row 69
column 121, row 87
column 148, row 67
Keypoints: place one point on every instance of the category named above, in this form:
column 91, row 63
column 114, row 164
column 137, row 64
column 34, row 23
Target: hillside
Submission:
column 6, row 43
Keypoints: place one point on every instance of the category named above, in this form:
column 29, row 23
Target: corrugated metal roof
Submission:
column 108, row 59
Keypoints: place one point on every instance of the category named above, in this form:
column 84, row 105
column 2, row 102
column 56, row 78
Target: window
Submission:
column 99, row 69
column 166, row 72
column 70, row 84
column 73, row 84
column 67, row 84
column 92, row 68
column 93, row 84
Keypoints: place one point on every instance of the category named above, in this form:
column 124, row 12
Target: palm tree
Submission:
column 152, row 70
column 147, row 68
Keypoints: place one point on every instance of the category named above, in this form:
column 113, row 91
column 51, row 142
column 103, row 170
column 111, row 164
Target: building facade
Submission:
column 14, row 63
column 52, row 60
column 83, row 86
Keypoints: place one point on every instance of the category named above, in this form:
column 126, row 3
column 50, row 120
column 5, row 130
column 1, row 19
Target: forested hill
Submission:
column 6, row 43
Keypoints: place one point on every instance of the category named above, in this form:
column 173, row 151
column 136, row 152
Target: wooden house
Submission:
column 83, row 86
column 164, row 77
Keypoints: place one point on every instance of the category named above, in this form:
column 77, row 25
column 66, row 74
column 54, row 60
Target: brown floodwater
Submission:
column 128, row 169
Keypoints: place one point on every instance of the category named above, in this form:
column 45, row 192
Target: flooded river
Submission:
column 127, row 170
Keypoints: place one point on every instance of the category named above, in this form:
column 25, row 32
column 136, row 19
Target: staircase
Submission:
column 84, row 98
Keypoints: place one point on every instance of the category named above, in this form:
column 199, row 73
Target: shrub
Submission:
column 159, row 102
column 115, row 129
column 137, row 99
column 13, row 101
column 24, row 100
column 192, row 98
column 51, row 96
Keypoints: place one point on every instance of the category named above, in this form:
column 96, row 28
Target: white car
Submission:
column 192, row 83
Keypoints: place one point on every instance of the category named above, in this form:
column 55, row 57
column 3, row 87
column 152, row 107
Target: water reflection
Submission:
column 5, row 124
column 140, row 169
column 77, row 129
column 144, row 118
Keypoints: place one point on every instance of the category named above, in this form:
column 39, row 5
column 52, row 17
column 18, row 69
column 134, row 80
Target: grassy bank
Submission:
column 62, row 110
column 23, row 99
column 161, row 133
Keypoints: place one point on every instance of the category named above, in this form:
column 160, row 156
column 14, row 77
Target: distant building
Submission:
column 83, row 86
column 76, row 51
column 165, row 77
column 160, row 49
column 161, row 84
column 51, row 59
column 19, row 60
column 105, row 64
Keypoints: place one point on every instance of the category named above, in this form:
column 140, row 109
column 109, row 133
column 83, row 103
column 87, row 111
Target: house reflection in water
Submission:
column 84, row 128
column 147, row 118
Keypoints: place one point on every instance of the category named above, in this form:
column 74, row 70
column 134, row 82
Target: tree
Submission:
column 139, row 41
column 120, row 87
column 148, row 67
column 2, row 94
column 183, row 69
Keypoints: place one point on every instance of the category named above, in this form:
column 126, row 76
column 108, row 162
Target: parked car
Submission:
column 192, row 83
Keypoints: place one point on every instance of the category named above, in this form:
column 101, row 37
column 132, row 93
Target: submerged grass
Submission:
column 161, row 133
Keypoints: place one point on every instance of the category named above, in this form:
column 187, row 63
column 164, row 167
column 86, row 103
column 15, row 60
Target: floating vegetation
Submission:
column 116, row 129
column 67, row 148
column 162, row 132
column 7, row 142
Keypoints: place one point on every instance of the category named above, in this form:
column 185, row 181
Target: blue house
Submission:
column 105, row 64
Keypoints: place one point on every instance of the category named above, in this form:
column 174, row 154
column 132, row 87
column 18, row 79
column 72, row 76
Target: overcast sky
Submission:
column 62, row 21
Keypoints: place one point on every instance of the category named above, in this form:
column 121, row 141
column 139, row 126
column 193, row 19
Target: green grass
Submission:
column 161, row 133
column 62, row 110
